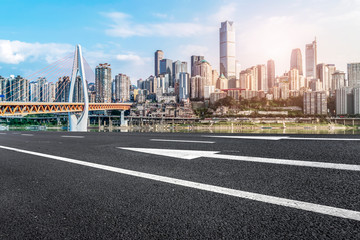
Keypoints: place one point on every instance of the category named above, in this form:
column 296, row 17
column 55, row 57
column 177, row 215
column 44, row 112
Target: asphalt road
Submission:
column 47, row 197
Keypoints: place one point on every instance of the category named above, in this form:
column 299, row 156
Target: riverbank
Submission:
column 295, row 128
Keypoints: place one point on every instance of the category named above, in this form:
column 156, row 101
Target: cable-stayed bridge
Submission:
column 40, row 93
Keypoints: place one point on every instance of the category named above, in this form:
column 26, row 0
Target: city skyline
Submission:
column 128, row 43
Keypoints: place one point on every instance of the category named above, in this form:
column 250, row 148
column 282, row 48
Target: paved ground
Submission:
column 44, row 196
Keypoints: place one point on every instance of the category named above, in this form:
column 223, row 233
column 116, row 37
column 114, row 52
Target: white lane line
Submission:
column 182, row 141
column 26, row 134
column 193, row 154
column 283, row 138
column 312, row 207
column 325, row 139
column 3, row 133
column 70, row 136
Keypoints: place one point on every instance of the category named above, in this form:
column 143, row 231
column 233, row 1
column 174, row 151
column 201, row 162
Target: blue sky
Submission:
column 127, row 33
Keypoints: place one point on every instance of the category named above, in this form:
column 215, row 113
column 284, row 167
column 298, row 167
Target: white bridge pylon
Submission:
column 79, row 123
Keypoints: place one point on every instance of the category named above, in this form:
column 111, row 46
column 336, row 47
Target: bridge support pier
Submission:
column 79, row 124
column 122, row 119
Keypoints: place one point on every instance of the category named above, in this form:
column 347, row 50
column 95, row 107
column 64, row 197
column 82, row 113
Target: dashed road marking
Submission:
column 181, row 141
column 70, row 136
column 26, row 134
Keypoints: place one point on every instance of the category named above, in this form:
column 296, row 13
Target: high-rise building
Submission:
column 331, row 70
column 103, row 83
column 166, row 69
column 78, row 90
column 222, row 82
column 294, row 79
column 184, row 86
column 353, row 70
column 215, row 76
column 356, row 93
column 311, row 59
column 296, row 60
column 227, row 51
column 197, row 87
column 18, row 89
column 62, row 89
column 122, row 88
column 178, row 67
column 344, row 101
column 204, row 69
column 3, row 88
column 338, row 80
column 262, row 78
column 322, row 73
column 194, row 60
column 159, row 55
column 271, row 73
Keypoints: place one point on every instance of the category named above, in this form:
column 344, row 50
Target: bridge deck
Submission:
column 24, row 108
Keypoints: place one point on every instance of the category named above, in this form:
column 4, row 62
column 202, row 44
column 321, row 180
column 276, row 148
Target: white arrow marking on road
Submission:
column 191, row 154
column 311, row 207
column 283, row 138
column 182, row 141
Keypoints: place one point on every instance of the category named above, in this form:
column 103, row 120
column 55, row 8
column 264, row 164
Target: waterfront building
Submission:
column 356, row 93
column 311, row 59
column 103, row 83
column 315, row 103
column 353, row 70
column 296, row 60
column 227, row 52
column 344, row 101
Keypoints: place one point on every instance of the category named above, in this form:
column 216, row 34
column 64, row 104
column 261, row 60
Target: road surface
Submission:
column 60, row 185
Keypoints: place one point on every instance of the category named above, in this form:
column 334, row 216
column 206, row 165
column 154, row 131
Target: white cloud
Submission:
column 161, row 15
column 15, row 52
column 123, row 26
